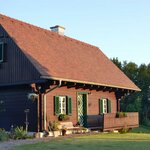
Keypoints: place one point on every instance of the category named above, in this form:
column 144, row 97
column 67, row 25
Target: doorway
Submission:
column 82, row 108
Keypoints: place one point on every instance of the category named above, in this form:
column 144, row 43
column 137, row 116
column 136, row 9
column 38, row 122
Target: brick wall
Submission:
column 93, row 102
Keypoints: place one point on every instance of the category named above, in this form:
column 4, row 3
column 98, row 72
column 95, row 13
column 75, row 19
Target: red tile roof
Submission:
column 61, row 57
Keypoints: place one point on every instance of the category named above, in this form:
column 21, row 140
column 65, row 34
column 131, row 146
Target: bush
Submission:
column 146, row 122
column 18, row 133
column 124, row 130
column 3, row 135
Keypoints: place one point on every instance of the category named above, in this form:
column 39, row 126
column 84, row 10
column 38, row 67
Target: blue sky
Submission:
column 120, row 28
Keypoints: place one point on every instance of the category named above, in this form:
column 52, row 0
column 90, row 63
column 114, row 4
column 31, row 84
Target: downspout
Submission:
column 44, row 96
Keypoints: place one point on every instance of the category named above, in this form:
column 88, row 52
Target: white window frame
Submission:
column 62, row 104
column 105, row 106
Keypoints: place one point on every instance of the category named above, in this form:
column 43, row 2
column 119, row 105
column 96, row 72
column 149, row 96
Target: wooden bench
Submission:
column 70, row 128
column 95, row 122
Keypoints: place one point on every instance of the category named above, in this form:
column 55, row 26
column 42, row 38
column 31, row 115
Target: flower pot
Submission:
column 39, row 135
column 50, row 133
column 56, row 133
column 64, row 132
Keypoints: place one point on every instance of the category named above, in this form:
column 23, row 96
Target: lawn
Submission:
column 109, row 141
column 141, row 129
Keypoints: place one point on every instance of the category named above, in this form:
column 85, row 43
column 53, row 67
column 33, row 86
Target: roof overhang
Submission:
column 90, row 83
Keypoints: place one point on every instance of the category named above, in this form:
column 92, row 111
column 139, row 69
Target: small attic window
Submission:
column 1, row 52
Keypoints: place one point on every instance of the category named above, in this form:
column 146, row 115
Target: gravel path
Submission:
column 11, row 143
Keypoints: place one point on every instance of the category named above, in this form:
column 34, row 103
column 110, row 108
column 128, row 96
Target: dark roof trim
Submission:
column 22, row 83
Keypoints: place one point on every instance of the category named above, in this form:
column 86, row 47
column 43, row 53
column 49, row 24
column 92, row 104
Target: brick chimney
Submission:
column 58, row 29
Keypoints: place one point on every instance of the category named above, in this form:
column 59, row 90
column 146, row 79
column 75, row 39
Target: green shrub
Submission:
column 18, row 133
column 124, row 130
column 3, row 135
column 146, row 122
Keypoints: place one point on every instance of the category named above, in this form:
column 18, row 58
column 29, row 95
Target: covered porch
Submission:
column 109, row 121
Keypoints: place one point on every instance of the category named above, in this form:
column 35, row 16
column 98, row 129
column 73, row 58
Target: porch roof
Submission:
column 61, row 57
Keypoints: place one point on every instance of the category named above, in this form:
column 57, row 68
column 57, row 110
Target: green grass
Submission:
column 141, row 129
column 133, row 141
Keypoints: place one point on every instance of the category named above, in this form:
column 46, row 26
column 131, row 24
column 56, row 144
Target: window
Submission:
column 62, row 105
column 1, row 52
column 104, row 106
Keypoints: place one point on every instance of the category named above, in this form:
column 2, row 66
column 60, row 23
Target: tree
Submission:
column 139, row 101
column 117, row 62
column 131, row 70
column 144, row 84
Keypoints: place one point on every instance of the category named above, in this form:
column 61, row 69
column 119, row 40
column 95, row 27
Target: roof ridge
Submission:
column 38, row 27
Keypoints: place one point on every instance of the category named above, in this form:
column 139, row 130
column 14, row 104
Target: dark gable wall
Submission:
column 16, row 68
column 16, row 73
column 15, row 102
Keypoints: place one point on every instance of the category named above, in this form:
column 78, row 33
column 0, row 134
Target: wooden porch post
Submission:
column 38, row 114
column 118, row 105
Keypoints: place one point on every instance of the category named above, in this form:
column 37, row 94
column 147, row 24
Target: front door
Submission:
column 82, row 108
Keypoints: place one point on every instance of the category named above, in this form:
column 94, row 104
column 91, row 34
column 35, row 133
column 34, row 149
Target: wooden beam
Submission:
column 105, row 89
column 111, row 90
column 100, row 88
column 71, row 85
column 79, row 85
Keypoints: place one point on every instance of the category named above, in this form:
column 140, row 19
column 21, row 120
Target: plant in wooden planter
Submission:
column 121, row 114
column 54, row 127
column 63, row 117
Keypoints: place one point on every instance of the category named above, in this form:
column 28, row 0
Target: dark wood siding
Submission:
column 15, row 101
column 16, row 69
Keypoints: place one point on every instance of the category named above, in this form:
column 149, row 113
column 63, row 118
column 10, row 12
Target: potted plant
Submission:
column 54, row 127
column 64, row 130
column 63, row 117
column 121, row 114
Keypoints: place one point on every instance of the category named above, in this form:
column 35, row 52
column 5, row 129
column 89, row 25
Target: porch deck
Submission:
column 107, row 122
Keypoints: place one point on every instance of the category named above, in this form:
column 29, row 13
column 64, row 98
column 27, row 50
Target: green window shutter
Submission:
column 1, row 52
column 101, row 111
column 69, row 105
column 108, row 106
column 56, row 105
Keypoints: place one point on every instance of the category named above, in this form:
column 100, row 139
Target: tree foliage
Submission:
column 139, row 101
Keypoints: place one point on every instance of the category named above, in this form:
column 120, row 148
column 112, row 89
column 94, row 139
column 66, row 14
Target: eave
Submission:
column 98, row 86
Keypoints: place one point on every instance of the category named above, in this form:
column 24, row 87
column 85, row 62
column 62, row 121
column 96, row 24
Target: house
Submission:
column 67, row 75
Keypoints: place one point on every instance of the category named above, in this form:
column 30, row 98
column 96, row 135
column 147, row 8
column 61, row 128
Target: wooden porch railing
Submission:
column 110, row 121
column 107, row 122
